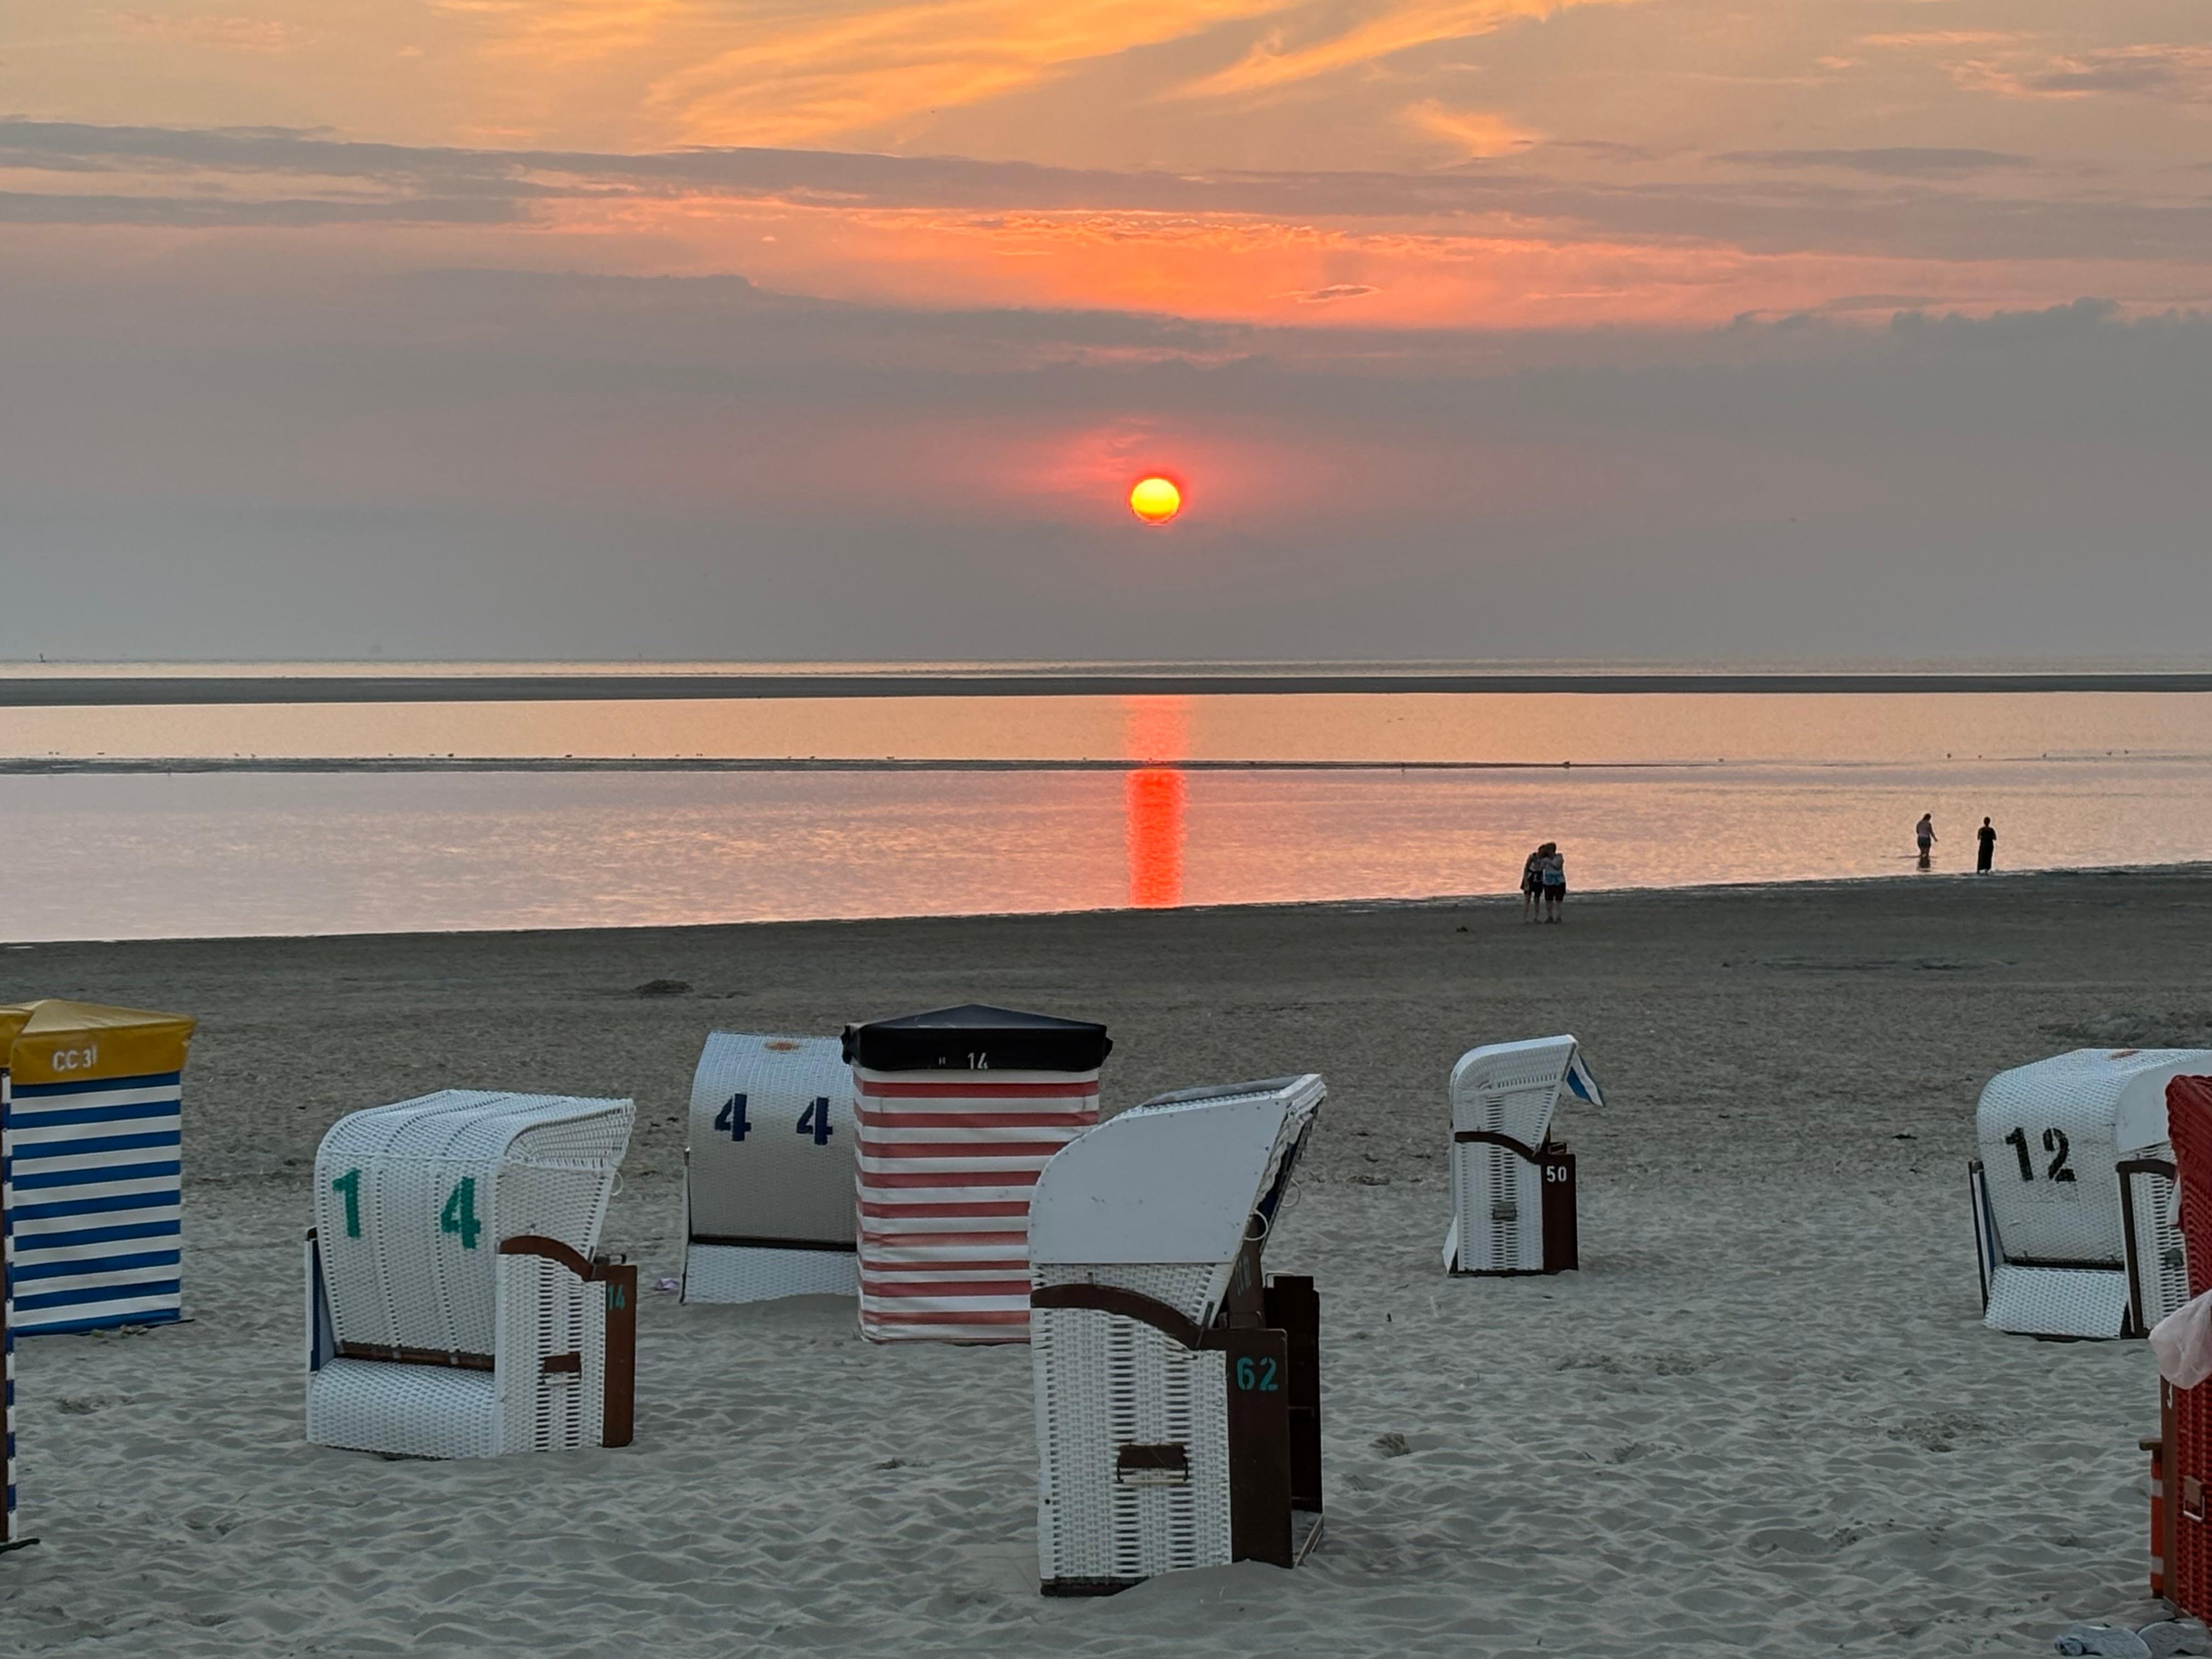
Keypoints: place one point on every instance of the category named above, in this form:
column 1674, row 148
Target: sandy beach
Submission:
column 1764, row 1417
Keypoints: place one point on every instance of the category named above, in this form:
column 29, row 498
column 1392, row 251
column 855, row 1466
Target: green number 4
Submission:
column 460, row 1213
column 348, row 1186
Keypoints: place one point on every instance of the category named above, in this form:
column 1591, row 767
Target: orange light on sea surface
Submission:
column 1155, row 499
column 1156, row 729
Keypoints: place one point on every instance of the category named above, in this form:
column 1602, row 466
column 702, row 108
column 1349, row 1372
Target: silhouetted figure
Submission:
column 1924, row 833
column 1532, row 883
column 1988, row 850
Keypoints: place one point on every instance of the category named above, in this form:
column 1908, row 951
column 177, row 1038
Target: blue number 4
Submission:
column 815, row 1121
column 731, row 1120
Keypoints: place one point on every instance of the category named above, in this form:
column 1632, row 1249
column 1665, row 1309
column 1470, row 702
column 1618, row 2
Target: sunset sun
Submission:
column 1155, row 499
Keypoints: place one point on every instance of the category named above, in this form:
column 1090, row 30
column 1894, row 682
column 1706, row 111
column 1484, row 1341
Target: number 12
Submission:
column 2054, row 1142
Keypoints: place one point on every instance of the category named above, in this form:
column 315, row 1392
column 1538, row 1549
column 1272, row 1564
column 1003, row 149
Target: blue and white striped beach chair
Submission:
column 11, row 1533
column 95, row 1126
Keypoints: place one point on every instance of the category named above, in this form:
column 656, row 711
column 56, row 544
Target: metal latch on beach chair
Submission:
column 1152, row 1466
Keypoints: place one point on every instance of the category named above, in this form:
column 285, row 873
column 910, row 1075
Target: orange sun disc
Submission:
column 1155, row 499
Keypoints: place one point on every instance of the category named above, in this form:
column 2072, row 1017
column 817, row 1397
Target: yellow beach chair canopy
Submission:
column 57, row 1041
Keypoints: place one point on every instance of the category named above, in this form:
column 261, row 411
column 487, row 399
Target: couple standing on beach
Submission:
column 1923, row 836
column 1543, row 883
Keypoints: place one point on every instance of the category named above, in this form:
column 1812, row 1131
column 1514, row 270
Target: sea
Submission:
column 306, row 817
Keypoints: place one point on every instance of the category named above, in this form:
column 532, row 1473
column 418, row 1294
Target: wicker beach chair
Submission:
column 2067, row 1192
column 959, row 1110
column 1178, row 1389
column 768, row 1171
column 1512, row 1182
column 456, row 1308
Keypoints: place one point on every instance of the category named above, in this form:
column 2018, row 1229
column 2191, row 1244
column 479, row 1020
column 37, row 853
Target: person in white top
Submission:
column 1532, row 883
column 1554, row 877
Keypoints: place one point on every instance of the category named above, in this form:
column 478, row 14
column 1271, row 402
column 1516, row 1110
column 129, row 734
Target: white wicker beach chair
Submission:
column 2069, row 1240
column 456, row 1308
column 1512, row 1182
column 959, row 1110
column 768, row 1171
column 1178, row 1389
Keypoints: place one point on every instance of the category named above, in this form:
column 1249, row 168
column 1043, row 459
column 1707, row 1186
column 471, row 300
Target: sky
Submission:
column 838, row 329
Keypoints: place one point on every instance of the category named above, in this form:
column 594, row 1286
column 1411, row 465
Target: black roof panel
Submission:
column 975, row 1037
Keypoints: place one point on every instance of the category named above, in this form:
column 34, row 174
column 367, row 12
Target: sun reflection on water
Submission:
column 1153, row 799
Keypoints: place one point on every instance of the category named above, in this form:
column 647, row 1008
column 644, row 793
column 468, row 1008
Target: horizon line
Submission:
column 127, row 690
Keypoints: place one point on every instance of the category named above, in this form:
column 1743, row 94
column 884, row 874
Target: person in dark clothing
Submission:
column 1988, row 838
column 1532, row 883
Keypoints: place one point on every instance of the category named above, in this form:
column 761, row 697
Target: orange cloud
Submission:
column 1473, row 132
column 1243, row 268
column 806, row 75
column 563, row 33
column 1939, row 37
column 232, row 34
column 2174, row 74
column 1279, row 61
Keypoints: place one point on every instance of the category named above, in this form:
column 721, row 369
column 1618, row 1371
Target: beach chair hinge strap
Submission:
column 1533, row 1155
column 1177, row 1326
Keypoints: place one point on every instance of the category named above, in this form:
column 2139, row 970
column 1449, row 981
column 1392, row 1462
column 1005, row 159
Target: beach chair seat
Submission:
column 2055, row 1211
column 1178, row 1387
column 768, row 1170
column 1512, row 1180
column 456, row 1304
column 957, row 1111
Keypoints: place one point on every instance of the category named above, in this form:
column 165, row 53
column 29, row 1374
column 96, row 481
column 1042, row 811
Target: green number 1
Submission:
column 348, row 1185
column 460, row 1213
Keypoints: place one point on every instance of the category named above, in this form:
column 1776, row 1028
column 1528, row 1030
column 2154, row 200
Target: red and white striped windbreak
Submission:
column 947, row 1158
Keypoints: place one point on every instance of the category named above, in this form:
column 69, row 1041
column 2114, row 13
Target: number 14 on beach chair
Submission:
column 456, row 1306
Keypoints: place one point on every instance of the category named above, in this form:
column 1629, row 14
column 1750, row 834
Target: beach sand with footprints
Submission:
column 1764, row 1415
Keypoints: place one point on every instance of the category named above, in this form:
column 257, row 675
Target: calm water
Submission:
column 1661, row 790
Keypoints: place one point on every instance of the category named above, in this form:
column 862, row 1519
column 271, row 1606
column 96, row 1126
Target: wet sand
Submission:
column 1764, row 1417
